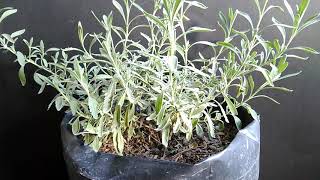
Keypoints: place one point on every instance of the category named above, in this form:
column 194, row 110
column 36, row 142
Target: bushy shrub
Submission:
column 112, row 81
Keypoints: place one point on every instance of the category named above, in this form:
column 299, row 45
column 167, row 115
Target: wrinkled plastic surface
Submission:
column 239, row 161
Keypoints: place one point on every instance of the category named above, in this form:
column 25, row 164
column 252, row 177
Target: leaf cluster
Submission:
column 109, row 85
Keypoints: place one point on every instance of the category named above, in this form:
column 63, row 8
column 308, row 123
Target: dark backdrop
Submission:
column 29, row 135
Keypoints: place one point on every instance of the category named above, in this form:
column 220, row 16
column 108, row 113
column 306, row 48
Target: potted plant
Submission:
column 139, row 107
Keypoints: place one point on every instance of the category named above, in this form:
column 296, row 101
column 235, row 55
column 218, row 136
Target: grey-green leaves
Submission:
column 7, row 12
column 93, row 106
column 245, row 15
column 114, row 84
column 80, row 32
column 118, row 141
column 266, row 75
column 75, row 126
column 119, row 8
column 306, row 49
column 196, row 4
column 159, row 103
column 289, row 8
column 17, row 33
column 22, row 61
column 231, row 106
column 22, row 76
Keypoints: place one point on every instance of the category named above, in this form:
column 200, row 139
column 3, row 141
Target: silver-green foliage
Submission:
column 109, row 84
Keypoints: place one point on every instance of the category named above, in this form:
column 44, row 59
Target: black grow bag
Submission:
column 239, row 161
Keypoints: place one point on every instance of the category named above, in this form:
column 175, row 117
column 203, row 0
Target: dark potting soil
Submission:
column 147, row 143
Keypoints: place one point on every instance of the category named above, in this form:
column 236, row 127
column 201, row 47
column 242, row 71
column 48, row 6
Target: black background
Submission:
column 30, row 136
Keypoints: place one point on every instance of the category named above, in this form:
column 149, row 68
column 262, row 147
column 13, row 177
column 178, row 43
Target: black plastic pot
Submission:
column 239, row 161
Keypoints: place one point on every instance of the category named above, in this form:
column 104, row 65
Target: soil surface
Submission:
column 147, row 143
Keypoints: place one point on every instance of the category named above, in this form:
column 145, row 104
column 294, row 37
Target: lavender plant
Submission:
column 110, row 88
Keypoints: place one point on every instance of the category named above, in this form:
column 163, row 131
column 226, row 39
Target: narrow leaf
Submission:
column 199, row 131
column 7, row 13
column 165, row 136
column 281, row 29
column 265, row 74
column 258, row 5
column 155, row 20
column 120, row 142
column 289, row 76
column 117, row 117
column 282, row 65
column 17, row 33
column 22, row 76
column 166, row 6
column 159, row 103
column 303, row 7
column 306, row 49
column 100, row 127
column 21, row 59
column 289, row 9
column 251, row 83
column 297, row 57
column 252, row 112
column 37, row 79
column 119, row 8
column 210, row 125
column 197, row 4
column 231, row 106
column 8, row 37
column 186, row 120
column 75, row 126
column 225, row 44
column 197, row 71
column 199, row 29
column 59, row 103
column 238, row 122
column 109, row 97
column 198, row 111
column 267, row 97
column 93, row 107
column 223, row 112
column 176, row 125
column 313, row 20
column 96, row 144
column 80, row 32
column 245, row 15
column 177, row 5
